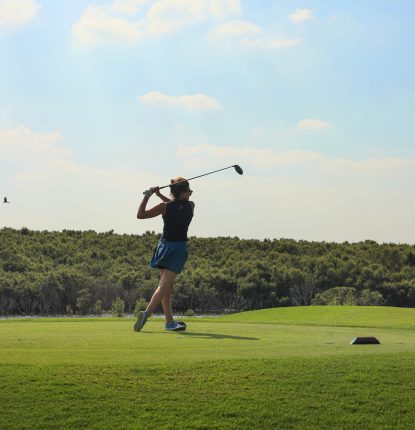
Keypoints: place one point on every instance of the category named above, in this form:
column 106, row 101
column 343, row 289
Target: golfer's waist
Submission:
column 174, row 239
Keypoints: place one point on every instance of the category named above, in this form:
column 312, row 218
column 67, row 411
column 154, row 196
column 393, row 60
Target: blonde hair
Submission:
column 178, row 185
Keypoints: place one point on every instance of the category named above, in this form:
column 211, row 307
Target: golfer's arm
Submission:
column 150, row 213
column 142, row 208
column 164, row 198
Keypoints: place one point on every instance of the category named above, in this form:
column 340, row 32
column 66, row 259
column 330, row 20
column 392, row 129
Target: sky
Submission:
column 315, row 100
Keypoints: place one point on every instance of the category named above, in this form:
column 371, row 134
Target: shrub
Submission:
column 117, row 308
column 284, row 301
column 69, row 310
column 370, row 298
column 140, row 305
column 337, row 296
column 190, row 313
column 98, row 307
column 83, row 302
column 24, row 231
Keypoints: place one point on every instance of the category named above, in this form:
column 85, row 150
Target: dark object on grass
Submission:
column 364, row 341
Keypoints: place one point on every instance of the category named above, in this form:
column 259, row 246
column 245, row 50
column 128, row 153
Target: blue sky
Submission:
column 99, row 100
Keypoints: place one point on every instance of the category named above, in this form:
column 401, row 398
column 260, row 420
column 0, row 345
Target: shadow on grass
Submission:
column 214, row 336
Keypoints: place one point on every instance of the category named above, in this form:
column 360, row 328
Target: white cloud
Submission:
column 223, row 8
column 130, row 7
column 250, row 35
column 97, row 24
column 283, row 43
column 117, row 21
column 301, row 15
column 313, row 124
column 255, row 157
column 270, row 43
column 14, row 13
column 128, row 22
column 191, row 102
column 236, row 28
column 23, row 142
column 259, row 158
column 166, row 16
column 370, row 167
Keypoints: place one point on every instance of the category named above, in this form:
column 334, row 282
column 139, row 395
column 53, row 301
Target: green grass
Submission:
column 340, row 316
column 277, row 368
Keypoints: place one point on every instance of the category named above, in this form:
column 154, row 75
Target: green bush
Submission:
column 370, row 298
column 284, row 301
column 69, row 310
column 117, row 308
column 190, row 313
column 98, row 307
column 83, row 302
column 140, row 305
column 337, row 296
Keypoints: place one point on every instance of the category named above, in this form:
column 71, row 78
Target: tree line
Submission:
column 79, row 272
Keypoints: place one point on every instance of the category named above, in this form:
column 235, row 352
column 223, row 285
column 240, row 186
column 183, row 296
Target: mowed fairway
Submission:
column 277, row 368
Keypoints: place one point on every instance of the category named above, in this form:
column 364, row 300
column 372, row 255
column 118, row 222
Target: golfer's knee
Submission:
column 167, row 282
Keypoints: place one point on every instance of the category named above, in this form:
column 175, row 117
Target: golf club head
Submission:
column 238, row 169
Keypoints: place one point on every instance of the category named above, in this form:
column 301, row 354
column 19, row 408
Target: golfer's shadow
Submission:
column 215, row 336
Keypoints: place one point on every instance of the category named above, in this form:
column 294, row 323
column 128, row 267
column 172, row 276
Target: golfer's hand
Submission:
column 157, row 191
column 149, row 193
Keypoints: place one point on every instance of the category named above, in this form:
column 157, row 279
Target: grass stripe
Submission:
column 327, row 393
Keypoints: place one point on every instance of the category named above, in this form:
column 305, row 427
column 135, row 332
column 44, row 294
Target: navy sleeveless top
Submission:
column 179, row 214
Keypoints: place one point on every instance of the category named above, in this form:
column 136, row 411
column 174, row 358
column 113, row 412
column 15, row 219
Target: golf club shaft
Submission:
column 195, row 177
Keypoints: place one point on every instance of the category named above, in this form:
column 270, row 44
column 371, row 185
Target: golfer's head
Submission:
column 179, row 186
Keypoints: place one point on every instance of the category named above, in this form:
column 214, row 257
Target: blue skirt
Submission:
column 170, row 255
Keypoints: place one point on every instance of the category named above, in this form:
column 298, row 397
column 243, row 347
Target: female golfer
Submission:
column 171, row 252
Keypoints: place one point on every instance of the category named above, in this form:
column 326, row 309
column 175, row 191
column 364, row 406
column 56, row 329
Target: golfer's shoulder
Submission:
column 192, row 204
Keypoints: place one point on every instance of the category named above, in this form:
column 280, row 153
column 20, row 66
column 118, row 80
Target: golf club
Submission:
column 235, row 166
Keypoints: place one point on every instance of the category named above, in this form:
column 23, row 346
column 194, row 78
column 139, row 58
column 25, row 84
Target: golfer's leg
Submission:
column 166, row 303
column 156, row 290
column 165, row 285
